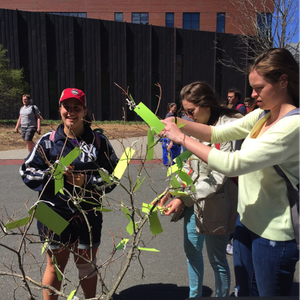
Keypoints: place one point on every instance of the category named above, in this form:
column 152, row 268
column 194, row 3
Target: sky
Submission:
column 296, row 37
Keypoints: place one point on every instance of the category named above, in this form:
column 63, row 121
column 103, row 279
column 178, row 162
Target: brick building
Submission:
column 81, row 45
column 204, row 15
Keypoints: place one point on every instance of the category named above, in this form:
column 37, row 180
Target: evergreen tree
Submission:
column 12, row 86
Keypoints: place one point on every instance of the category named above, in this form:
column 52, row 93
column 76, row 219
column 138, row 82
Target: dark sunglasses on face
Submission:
column 190, row 112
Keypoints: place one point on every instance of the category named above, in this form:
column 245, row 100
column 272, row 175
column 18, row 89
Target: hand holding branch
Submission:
column 74, row 178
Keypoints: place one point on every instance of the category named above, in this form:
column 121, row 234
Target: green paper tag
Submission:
column 155, row 225
column 58, row 172
column 70, row 157
column 50, row 218
column 123, row 163
column 149, row 117
column 147, row 249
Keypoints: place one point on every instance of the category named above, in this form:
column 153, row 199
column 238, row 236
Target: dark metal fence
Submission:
column 59, row 51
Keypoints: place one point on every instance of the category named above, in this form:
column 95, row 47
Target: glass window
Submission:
column 119, row 17
column 191, row 21
column 140, row 18
column 169, row 19
column 264, row 24
column 221, row 22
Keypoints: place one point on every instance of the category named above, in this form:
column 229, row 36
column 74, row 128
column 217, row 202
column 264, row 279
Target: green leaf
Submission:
column 131, row 98
column 71, row 295
column 105, row 177
column 130, row 228
column 150, row 145
column 174, row 182
column 138, row 183
column 17, row 223
column 122, row 244
column 56, row 268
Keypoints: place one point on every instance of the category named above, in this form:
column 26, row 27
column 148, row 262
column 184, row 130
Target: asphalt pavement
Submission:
column 152, row 275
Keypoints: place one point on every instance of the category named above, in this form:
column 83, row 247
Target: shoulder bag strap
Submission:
column 293, row 201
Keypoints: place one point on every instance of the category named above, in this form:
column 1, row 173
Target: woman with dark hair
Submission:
column 81, row 180
column 264, row 249
column 211, row 211
column 172, row 110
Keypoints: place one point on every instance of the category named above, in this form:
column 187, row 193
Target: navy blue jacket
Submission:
column 35, row 169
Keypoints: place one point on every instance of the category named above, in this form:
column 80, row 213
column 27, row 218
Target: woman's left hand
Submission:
column 175, row 206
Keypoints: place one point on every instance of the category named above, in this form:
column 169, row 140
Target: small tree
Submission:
column 263, row 24
column 12, row 85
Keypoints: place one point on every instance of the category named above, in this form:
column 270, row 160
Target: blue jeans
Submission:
column 262, row 267
column 216, row 251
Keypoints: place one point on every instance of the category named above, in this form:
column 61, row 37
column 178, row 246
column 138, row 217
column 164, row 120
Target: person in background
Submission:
column 81, row 177
column 265, row 250
column 172, row 110
column 211, row 212
column 30, row 121
column 234, row 101
column 248, row 103
column 170, row 150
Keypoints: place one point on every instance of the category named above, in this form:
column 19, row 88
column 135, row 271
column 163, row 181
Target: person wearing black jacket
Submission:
column 83, row 190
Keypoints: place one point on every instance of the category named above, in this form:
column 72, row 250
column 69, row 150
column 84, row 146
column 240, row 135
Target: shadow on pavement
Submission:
column 158, row 292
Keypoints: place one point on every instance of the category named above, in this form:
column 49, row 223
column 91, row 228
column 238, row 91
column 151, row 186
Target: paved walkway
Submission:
column 138, row 143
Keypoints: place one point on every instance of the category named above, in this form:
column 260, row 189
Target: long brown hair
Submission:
column 273, row 63
column 201, row 94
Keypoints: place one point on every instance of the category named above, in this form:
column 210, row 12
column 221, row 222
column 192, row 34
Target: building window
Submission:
column 221, row 22
column 264, row 24
column 191, row 21
column 70, row 14
column 119, row 17
column 169, row 19
column 140, row 18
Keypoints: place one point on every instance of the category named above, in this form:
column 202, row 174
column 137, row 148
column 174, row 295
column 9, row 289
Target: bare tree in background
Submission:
column 262, row 24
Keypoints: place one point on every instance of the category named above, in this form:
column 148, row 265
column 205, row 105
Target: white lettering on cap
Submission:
column 75, row 92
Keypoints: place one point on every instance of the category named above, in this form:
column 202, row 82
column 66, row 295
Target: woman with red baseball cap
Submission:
column 82, row 193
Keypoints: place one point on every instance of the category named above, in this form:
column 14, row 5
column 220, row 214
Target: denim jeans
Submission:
column 262, row 267
column 216, row 251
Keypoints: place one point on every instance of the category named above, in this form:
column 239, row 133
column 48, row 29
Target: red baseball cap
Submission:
column 73, row 93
